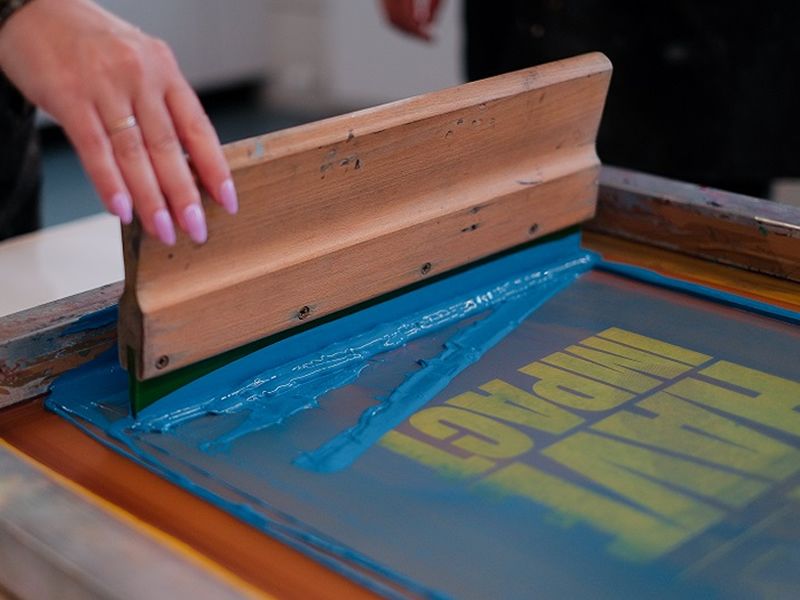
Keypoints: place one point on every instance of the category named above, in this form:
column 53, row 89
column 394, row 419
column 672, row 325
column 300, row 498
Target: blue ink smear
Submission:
column 95, row 320
column 278, row 381
column 518, row 300
column 109, row 422
column 275, row 395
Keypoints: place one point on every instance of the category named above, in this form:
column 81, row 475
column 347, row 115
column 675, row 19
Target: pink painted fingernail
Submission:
column 195, row 223
column 121, row 206
column 164, row 227
column 227, row 195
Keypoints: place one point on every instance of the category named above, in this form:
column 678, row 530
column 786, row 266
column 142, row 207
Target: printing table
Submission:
column 78, row 520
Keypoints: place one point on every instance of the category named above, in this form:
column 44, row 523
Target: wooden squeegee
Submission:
column 343, row 210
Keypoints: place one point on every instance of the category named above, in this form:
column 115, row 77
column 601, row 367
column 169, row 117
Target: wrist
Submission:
column 8, row 11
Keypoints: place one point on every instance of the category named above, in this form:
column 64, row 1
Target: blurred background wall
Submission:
column 319, row 53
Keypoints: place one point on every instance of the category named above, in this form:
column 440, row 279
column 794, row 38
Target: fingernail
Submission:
column 164, row 227
column 121, row 206
column 195, row 223
column 227, row 195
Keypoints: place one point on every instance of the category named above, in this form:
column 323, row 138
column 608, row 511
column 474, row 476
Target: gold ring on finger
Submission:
column 121, row 125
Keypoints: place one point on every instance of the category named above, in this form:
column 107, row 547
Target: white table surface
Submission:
column 59, row 261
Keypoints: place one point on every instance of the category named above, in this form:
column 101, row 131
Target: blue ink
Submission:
column 257, row 151
column 464, row 349
column 275, row 395
column 95, row 320
column 109, row 422
column 297, row 359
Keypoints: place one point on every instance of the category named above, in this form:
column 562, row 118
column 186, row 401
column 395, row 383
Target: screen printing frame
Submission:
column 746, row 246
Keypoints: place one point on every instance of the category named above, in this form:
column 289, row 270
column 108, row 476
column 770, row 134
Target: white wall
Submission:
column 370, row 62
column 343, row 54
column 216, row 42
column 315, row 54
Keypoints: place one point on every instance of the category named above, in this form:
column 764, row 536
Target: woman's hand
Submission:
column 414, row 17
column 126, row 107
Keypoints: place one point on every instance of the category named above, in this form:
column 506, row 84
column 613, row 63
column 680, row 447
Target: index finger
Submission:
column 200, row 140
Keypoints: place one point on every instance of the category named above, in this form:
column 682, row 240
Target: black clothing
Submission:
column 20, row 179
column 702, row 91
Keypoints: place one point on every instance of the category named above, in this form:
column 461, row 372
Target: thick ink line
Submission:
column 298, row 347
column 461, row 351
column 272, row 396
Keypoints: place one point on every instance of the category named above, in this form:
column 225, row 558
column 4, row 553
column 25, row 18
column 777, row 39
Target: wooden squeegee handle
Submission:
column 339, row 211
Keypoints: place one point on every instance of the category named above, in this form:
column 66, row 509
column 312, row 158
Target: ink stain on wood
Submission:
column 535, row 178
column 257, row 151
column 343, row 163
